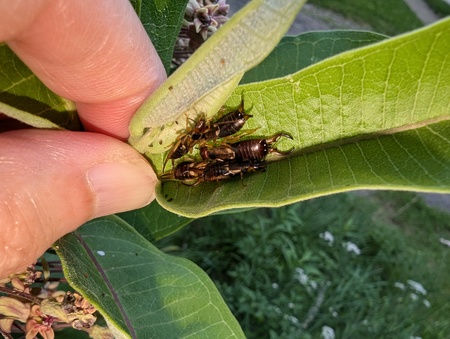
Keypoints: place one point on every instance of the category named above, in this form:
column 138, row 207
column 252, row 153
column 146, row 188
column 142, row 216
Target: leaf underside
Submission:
column 162, row 22
column 25, row 98
column 206, row 79
column 154, row 222
column 375, row 117
column 167, row 297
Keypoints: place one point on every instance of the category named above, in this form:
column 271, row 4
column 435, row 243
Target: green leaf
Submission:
column 374, row 117
column 25, row 98
column 142, row 291
column 154, row 222
column 207, row 78
column 162, row 21
column 294, row 53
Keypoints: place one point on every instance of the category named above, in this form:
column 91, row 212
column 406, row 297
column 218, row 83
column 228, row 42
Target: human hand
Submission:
column 98, row 55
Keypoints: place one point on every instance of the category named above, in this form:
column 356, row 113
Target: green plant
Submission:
column 439, row 6
column 382, row 17
column 331, row 261
column 396, row 139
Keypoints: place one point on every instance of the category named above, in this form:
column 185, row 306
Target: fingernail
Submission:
column 120, row 187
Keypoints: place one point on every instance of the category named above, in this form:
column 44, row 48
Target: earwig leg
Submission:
column 167, row 176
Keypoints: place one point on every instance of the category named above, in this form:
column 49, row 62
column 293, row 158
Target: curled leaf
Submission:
column 202, row 84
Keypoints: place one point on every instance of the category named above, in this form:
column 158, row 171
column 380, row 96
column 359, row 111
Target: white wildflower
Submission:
column 328, row 237
column 301, row 276
column 417, row 287
column 444, row 242
column 351, row 247
column 275, row 286
column 327, row 332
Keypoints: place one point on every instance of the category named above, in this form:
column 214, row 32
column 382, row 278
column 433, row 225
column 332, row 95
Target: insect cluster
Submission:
column 223, row 156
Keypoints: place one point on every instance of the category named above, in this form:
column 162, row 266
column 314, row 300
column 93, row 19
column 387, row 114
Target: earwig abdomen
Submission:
column 228, row 124
column 217, row 171
column 247, row 150
column 231, row 123
column 217, row 153
column 255, row 149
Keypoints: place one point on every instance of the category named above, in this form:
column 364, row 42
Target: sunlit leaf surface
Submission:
column 374, row 117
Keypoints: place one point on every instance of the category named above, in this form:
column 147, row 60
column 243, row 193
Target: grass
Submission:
column 439, row 6
column 387, row 17
column 283, row 276
column 423, row 228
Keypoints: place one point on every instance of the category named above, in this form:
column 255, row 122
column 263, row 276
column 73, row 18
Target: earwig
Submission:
column 219, row 170
column 247, row 150
column 186, row 172
column 204, row 130
column 228, row 124
column 187, row 141
column 193, row 173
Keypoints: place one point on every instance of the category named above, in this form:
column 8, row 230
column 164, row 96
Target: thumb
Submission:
column 54, row 181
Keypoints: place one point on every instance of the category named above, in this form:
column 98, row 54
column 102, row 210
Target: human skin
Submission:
column 97, row 54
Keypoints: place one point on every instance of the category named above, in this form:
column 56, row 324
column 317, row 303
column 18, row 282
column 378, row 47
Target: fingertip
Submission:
column 54, row 181
column 120, row 187
column 102, row 58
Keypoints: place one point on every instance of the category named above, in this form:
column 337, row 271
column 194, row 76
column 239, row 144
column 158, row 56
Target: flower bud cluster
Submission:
column 36, row 302
column 201, row 20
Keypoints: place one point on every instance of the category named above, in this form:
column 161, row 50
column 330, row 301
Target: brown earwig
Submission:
column 204, row 130
column 187, row 141
column 223, row 170
column 193, row 173
column 253, row 149
column 228, row 124
column 186, row 172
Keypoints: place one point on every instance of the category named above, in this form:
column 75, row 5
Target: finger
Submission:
column 54, row 181
column 93, row 53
